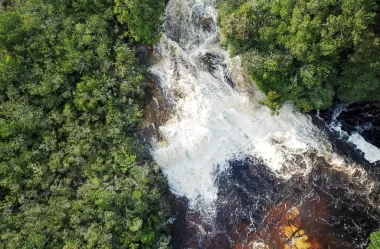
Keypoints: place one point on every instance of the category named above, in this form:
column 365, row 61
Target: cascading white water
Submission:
column 371, row 152
column 213, row 122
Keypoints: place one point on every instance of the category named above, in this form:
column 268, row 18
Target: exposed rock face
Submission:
column 211, row 62
column 156, row 113
column 142, row 54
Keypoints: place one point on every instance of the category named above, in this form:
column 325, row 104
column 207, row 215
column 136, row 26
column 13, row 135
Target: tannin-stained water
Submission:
column 358, row 124
column 250, row 179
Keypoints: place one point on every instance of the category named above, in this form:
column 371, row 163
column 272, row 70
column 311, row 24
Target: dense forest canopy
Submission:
column 70, row 99
column 309, row 52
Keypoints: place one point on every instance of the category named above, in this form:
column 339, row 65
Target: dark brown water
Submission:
column 324, row 210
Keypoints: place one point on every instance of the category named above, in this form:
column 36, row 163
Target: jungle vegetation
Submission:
column 374, row 240
column 70, row 101
column 308, row 52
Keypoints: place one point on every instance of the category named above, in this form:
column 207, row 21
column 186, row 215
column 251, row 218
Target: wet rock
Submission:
column 142, row 54
column 156, row 113
column 201, row 19
column 212, row 63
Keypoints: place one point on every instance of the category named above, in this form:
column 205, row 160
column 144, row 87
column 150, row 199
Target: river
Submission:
column 243, row 177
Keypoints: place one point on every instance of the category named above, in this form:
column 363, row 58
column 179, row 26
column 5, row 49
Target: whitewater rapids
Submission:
column 215, row 118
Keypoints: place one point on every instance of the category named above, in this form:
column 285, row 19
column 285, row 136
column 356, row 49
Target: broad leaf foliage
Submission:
column 307, row 51
column 70, row 100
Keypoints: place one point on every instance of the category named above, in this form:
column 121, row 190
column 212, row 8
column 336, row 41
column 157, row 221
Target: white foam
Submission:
column 214, row 123
column 371, row 152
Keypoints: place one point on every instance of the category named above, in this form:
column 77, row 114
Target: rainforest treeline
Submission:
column 70, row 101
column 309, row 52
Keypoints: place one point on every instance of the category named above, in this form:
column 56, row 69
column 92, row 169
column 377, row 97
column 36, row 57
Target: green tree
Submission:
column 307, row 51
column 143, row 18
column 70, row 101
column 374, row 240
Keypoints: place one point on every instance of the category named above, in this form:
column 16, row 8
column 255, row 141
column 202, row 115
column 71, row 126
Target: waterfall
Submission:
column 218, row 146
column 213, row 120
